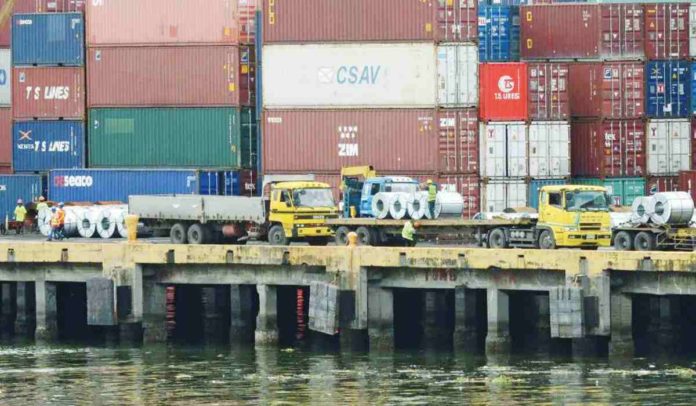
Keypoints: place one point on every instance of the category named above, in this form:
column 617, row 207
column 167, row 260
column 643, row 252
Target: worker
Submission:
column 20, row 214
column 55, row 226
column 408, row 233
column 41, row 205
column 432, row 198
column 60, row 217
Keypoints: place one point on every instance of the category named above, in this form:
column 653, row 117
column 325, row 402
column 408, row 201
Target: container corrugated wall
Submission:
column 692, row 31
column 5, row 138
column 48, row 93
column 401, row 140
column 659, row 184
column 549, row 149
column 13, row 187
column 668, row 86
column 607, row 148
column 503, row 147
column 167, row 76
column 94, row 185
column 457, row 75
column 548, row 91
column 564, row 31
column 469, row 187
column 667, row 31
column 159, row 22
column 668, row 146
column 171, row 137
column 48, row 39
column 622, row 190
column 503, row 89
column 687, row 182
column 499, row 195
column 499, row 33
column 607, row 89
column 39, row 146
column 458, row 141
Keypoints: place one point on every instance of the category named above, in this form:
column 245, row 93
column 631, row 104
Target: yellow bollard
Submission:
column 352, row 239
column 132, row 226
column 353, row 212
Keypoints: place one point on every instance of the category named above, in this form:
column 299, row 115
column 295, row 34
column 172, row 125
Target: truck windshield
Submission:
column 313, row 198
column 401, row 187
column 586, row 201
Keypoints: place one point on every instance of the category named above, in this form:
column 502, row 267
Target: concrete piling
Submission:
column 46, row 294
column 498, row 336
column 466, row 313
column 621, row 343
column 267, row 319
column 154, row 312
column 380, row 318
column 435, row 311
column 242, row 314
column 25, row 321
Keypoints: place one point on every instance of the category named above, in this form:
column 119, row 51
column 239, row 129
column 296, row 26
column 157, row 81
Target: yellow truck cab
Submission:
column 574, row 216
column 298, row 211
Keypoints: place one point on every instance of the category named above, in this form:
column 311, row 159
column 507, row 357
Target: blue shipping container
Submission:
column 94, row 185
column 39, row 146
column 668, row 89
column 499, row 33
column 225, row 183
column 48, row 39
column 536, row 185
column 13, row 187
column 693, row 88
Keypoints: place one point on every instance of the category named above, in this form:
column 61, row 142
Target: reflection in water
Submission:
column 174, row 374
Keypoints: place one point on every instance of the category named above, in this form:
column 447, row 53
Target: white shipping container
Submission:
column 692, row 30
column 669, row 146
column 499, row 195
column 549, row 149
column 457, row 75
column 5, row 78
column 503, row 149
column 349, row 75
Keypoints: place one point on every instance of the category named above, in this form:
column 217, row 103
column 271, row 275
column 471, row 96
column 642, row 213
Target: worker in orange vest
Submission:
column 57, row 223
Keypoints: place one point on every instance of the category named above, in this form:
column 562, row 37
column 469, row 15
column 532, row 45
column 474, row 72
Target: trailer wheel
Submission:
column 197, row 234
column 177, row 234
column 276, row 236
column 644, row 241
column 623, row 241
column 342, row 236
column 364, row 236
column 546, row 240
column 497, row 239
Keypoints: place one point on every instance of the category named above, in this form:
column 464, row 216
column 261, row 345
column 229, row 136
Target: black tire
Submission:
column 364, row 236
column 276, row 236
column 497, row 239
column 623, row 241
column 197, row 234
column 341, row 236
column 546, row 240
column 178, row 233
column 644, row 241
column 318, row 242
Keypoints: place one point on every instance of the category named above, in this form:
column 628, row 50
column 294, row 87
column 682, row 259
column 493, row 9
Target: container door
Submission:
column 633, row 148
column 658, row 150
column 493, row 159
column 559, row 149
column 517, row 150
column 516, row 194
column 680, row 146
column 467, row 75
column 538, row 150
column 447, row 75
column 692, row 30
column 493, row 197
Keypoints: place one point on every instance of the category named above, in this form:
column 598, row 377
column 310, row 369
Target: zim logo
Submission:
column 506, row 84
column 73, row 181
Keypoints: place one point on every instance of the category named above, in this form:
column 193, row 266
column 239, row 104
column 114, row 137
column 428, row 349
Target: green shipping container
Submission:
column 622, row 190
column 172, row 137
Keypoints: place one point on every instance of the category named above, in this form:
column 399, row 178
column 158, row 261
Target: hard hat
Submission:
column 19, row 201
column 41, row 198
column 430, row 181
column 53, row 209
column 61, row 204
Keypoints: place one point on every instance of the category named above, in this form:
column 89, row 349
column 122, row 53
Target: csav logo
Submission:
column 350, row 75
column 73, row 181
column 48, row 92
column 506, row 85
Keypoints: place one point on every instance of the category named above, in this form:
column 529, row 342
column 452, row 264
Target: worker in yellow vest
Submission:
column 408, row 233
column 432, row 198
column 20, row 214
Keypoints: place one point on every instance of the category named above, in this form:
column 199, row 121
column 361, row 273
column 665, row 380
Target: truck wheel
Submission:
column 178, row 234
column 276, row 236
column 497, row 239
column 644, row 241
column 623, row 241
column 342, row 236
column 197, row 234
column 546, row 240
column 364, row 236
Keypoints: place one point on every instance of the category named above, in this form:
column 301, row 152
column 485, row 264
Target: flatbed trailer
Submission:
column 650, row 237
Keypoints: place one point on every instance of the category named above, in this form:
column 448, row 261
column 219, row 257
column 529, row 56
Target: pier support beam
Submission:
column 380, row 318
column 542, row 336
column 267, row 319
column 154, row 312
column 241, row 314
column 214, row 302
column 621, row 342
column 498, row 337
column 25, row 320
column 46, row 311
column 466, row 311
column 661, row 334
column 7, row 308
column 434, row 319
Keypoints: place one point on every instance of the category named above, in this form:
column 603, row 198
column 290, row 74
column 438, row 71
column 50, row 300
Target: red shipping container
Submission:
column 247, row 20
column 658, row 184
column 170, row 76
column 608, row 148
column 5, row 136
column 470, row 189
column 608, row 90
column 503, row 91
column 457, row 21
column 548, row 91
column 687, row 182
column 459, row 140
column 693, row 143
column 33, row 6
column 622, row 31
column 48, row 93
column 667, row 31
column 5, row 170
column 355, row 20
column 160, row 22
column 403, row 140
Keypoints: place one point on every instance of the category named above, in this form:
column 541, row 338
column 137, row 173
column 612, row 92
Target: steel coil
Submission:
column 671, row 208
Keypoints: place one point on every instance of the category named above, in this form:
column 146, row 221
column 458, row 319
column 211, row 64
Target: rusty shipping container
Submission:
column 48, row 93
column 548, row 91
column 687, row 182
column 33, row 6
column 667, row 30
column 503, row 91
column 303, row 21
column 5, row 136
column 170, row 76
column 659, row 184
column 468, row 186
column 607, row 89
column 159, row 22
column 608, row 148
column 400, row 140
column 582, row 31
column 458, row 131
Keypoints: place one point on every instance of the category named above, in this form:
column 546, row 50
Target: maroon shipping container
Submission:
column 170, row 76
column 687, row 182
column 608, row 148
column 693, row 143
column 470, row 189
column 548, row 91
column 457, row 21
column 161, row 22
column 622, row 31
column 33, row 6
column 667, row 31
column 608, row 90
column 5, row 170
column 247, row 20
column 48, row 93
column 5, row 136
column 459, row 140
column 354, row 20
column 327, row 140
column 658, row 184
